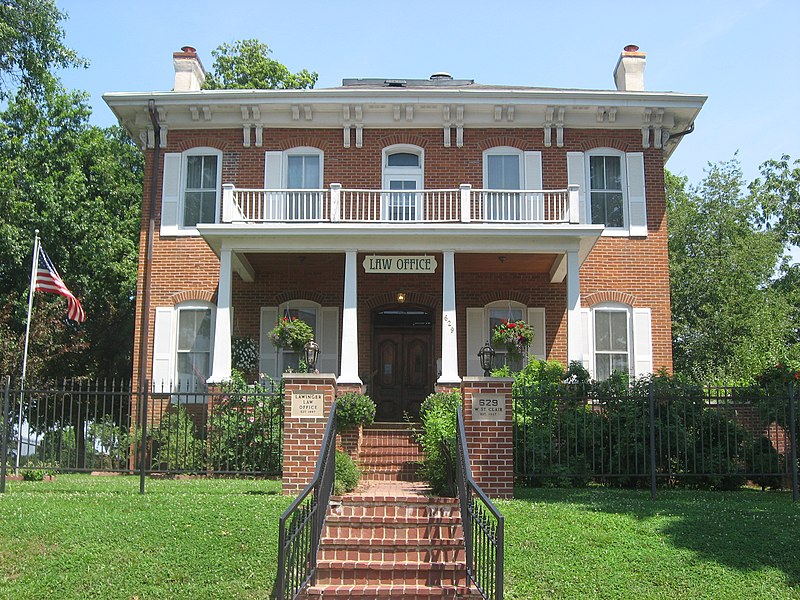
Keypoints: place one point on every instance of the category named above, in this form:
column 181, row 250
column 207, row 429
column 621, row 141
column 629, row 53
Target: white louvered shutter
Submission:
column 328, row 334
column 642, row 342
column 637, row 204
column 273, row 180
column 587, row 339
column 538, row 347
column 170, row 193
column 268, row 355
column 576, row 175
column 163, row 350
column 475, row 340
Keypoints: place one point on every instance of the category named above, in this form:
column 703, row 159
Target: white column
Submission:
column 574, row 344
column 221, row 353
column 449, row 332
column 349, row 367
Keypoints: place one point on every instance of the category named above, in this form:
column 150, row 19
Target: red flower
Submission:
column 511, row 325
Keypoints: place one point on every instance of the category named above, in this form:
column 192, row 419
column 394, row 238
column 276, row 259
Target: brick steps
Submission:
column 391, row 540
column 389, row 452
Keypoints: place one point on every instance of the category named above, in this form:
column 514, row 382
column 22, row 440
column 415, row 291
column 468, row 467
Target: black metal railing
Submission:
column 483, row 526
column 636, row 435
column 84, row 426
column 302, row 523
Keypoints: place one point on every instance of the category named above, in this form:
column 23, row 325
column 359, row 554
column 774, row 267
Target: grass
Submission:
column 607, row 543
column 96, row 537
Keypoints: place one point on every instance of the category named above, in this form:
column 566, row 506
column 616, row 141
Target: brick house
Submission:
column 402, row 219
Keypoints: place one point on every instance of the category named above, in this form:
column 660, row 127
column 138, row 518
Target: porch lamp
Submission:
column 486, row 354
column 310, row 354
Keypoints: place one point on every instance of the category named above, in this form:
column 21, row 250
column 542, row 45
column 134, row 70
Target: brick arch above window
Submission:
column 303, row 141
column 205, row 141
column 402, row 139
column 501, row 140
column 412, row 298
column 609, row 296
column 606, row 141
column 311, row 296
column 503, row 296
column 193, row 295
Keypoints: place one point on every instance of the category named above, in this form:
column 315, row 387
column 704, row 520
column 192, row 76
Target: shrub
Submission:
column 354, row 409
column 37, row 470
column 177, row 446
column 347, row 474
column 245, row 428
column 438, row 440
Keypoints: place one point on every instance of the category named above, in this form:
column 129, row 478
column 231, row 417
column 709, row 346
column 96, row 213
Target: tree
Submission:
column 779, row 195
column 246, row 65
column 31, row 45
column 81, row 187
column 729, row 322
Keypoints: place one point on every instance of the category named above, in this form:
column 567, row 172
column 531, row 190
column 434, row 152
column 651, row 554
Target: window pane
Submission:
column 613, row 172
column 502, row 172
column 603, row 367
column 303, row 172
column 402, row 159
column 194, row 330
column 619, row 362
column 194, row 172
column 597, row 177
column 602, row 331
column 618, row 322
column 191, row 208
column 615, row 217
column 598, row 208
column 193, row 369
column 210, row 172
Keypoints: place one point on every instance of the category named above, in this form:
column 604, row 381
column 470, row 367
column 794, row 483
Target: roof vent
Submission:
column 441, row 75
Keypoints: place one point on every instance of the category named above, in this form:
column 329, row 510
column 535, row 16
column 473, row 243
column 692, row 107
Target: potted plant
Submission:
column 291, row 333
column 514, row 336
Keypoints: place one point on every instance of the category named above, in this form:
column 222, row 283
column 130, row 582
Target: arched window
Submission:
column 611, row 339
column 191, row 190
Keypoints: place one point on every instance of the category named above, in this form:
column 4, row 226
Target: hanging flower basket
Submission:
column 291, row 333
column 514, row 336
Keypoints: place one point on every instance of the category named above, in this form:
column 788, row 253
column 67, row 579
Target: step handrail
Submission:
column 302, row 523
column 483, row 525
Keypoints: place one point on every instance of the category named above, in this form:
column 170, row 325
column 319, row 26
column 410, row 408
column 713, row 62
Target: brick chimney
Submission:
column 189, row 71
column 629, row 72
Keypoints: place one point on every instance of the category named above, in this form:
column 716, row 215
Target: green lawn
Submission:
column 95, row 537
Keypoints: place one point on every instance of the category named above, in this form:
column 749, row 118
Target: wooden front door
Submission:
column 404, row 373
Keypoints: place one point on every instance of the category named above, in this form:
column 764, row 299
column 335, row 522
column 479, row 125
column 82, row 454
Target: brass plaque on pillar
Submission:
column 488, row 407
column 308, row 405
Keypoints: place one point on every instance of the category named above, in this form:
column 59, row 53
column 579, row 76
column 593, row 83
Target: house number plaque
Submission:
column 307, row 405
column 488, row 408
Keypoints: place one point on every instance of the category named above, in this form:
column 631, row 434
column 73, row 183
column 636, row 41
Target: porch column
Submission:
column 449, row 333
column 574, row 342
column 349, row 367
column 221, row 352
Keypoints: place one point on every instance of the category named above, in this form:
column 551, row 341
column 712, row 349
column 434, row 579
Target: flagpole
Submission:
column 34, row 264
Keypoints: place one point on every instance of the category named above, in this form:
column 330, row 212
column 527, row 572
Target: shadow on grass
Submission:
column 746, row 530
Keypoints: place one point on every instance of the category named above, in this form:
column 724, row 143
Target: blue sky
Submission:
column 744, row 55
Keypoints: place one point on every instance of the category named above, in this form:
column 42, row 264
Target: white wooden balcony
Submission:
column 339, row 205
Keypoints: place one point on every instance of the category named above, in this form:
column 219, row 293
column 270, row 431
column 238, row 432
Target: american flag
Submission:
column 48, row 280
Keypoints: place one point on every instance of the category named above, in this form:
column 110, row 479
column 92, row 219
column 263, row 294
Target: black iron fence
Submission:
column 83, row 426
column 656, row 431
column 482, row 523
column 302, row 523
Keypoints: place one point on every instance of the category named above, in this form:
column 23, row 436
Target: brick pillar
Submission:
column 489, row 433
column 350, row 441
column 302, row 434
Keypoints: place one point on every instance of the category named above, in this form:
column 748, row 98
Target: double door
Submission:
column 403, row 373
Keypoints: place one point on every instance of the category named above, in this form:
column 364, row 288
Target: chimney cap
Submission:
column 189, row 49
column 631, row 48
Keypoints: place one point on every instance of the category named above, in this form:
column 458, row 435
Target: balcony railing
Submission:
column 338, row 205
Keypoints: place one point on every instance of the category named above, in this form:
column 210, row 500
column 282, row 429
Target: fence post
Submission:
column 793, row 434
column 4, row 454
column 143, row 443
column 652, row 442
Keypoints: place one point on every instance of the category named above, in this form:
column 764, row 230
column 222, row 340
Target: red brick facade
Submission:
column 633, row 270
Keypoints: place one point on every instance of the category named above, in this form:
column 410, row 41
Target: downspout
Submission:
column 681, row 133
column 144, row 328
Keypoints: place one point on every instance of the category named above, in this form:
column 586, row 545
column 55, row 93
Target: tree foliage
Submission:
column 729, row 319
column 246, row 65
column 778, row 191
column 31, row 45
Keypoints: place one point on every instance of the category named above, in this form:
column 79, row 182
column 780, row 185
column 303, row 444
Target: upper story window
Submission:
column 606, row 193
column 190, row 190
column 200, row 196
column 403, row 175
column 611, row 188
column 295, row 169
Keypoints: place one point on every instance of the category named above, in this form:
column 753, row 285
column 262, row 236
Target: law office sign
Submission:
column 399, row 264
